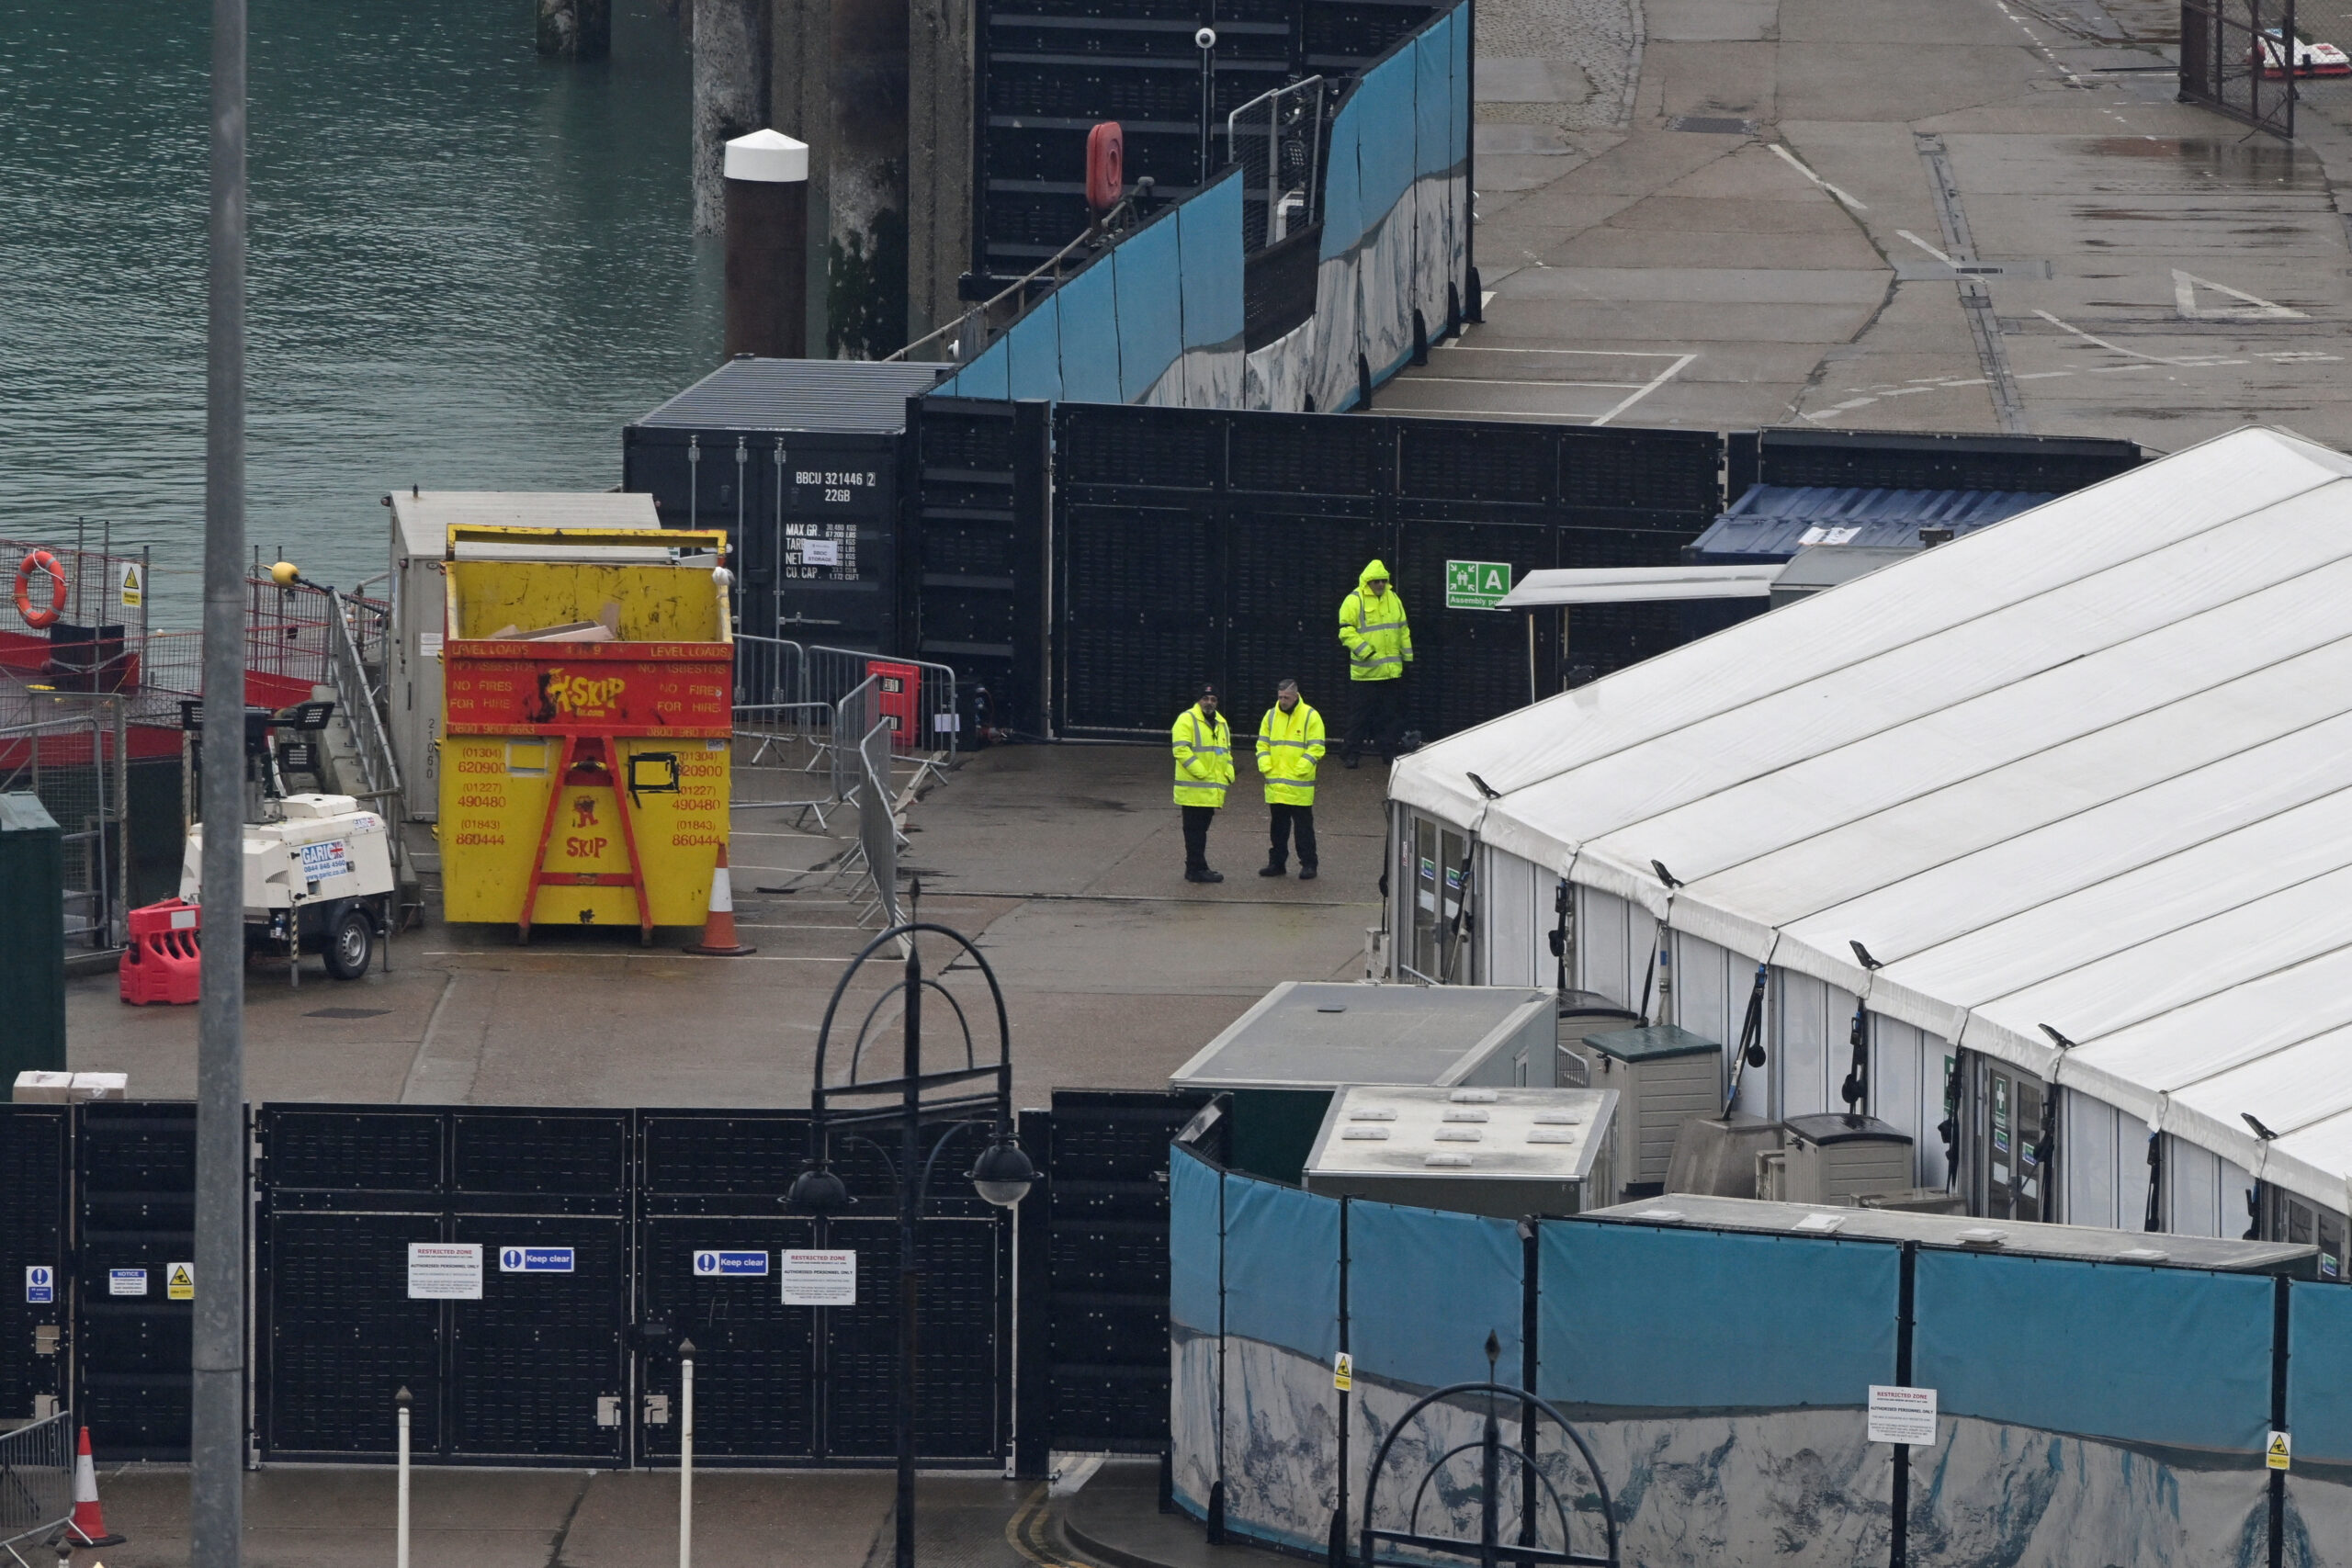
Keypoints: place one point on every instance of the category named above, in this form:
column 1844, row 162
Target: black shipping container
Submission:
column 798, row 460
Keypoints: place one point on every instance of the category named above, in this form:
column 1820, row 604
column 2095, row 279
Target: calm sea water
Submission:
column 469, row 267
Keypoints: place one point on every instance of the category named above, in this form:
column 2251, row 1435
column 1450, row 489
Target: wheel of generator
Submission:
column 351, row 944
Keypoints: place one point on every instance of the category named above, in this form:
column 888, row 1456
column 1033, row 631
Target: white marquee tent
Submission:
column 2088, row 771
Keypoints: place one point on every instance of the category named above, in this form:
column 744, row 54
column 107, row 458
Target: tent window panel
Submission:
column 1600, row 945
column 2086, row 1159
column 1894, row 1078
column 1935, row 1074
column 1505, row 909
column 1804, row 1032
column 2235, row 1215
column 1703, row 988
column 2193, row 1204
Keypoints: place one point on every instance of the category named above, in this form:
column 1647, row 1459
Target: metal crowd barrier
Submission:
column 36, row 1482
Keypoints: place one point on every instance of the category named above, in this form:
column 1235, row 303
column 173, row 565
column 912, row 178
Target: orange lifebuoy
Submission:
column 42, row 561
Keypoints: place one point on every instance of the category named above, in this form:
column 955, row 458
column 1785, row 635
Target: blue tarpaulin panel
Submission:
column 1193, row 1241
column 1385, row 117
column 1433, row 99
column 1148, row 283
column 1704, row 1319
column 2319, row 1373
column 2170, row 1356
column 1211, row 234
column 1090, row 335
column 1342, row 204
column 1034, row 348
column 1423, row 1289
column 1282, row 1266
column 988, row 376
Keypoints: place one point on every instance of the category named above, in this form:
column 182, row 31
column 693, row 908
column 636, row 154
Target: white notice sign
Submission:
column 1903, row 1415
column 443, row 1271
column 819, row 1278
column 820, row 552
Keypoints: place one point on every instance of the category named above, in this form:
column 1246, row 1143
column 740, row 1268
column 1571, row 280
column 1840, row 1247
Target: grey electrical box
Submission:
column 1717, row 1154
column 1665, row 1075
column 1506, row 1152
column 1282, row 1060
column 1837, row 1158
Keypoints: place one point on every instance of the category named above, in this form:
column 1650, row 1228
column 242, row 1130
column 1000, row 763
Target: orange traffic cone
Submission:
column 718, row 931
column 89, row 1526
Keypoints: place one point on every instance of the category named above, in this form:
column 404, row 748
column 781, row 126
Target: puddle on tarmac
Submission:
column 2249, row 159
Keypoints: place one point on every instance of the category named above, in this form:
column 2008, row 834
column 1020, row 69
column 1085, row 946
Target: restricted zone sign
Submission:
column 1476, row 584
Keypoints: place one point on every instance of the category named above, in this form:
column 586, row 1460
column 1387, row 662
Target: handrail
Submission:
column 1094, row 230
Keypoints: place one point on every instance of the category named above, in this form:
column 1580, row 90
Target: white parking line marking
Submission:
column 1793, row 162
column 1660, row 379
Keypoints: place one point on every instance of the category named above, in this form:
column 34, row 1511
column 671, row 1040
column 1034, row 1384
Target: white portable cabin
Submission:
column 2059, row 808
column 420, row 538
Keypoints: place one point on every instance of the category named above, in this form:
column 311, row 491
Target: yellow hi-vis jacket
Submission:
column 1203, row 748
column 1378, row 641
column 1289, row 745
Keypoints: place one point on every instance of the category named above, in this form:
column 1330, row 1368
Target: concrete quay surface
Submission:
column 1064, row 864
column 1771, row 227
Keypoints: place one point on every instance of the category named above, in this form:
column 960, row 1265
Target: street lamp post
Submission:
column 976, row 1094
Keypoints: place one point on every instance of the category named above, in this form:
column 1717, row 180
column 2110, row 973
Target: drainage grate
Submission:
column 1711, row 125
column 347, row 1012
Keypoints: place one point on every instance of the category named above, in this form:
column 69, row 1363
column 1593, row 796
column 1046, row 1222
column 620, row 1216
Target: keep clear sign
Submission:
column 819, row 1278
column 535, row 1261
column 724, row 1260
column 443, row 1271
column 1903, row 1415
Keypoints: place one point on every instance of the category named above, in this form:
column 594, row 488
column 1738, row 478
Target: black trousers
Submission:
column 1375, row 714
column 1196, row 836
column 1287, row 819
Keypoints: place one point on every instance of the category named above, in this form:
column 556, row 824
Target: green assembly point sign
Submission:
column 1476, row 584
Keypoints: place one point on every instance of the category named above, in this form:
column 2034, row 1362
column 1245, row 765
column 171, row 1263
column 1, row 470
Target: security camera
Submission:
column 1205, row 38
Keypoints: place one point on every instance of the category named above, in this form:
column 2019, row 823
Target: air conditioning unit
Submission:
column 1664, row 1076
column 1836, row 1159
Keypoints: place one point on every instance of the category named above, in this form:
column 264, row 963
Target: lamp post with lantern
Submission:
column 969, row 1095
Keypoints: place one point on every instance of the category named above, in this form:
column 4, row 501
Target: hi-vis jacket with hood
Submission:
column 1378, row 641
column 1203, row 748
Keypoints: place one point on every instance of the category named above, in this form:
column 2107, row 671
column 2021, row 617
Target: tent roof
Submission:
column 2082, row 769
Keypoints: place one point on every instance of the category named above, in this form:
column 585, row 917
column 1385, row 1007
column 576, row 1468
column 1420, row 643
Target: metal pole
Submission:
column 910, row 1206
column 400, row 1530
column 216, row 1437
column 685, row 1455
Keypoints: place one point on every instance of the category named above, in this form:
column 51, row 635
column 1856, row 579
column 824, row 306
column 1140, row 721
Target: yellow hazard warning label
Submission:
column 1344, row 1372
column 134, row 584
column 2280, row 1451
column 180, row 1281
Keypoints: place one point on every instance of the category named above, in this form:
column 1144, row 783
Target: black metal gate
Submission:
column 576, row 1364
column 1217, row 546
column 975, row 550
column 2240, row 56
column 134, row 1174
column 1105, row 1221
column 536, row 1371
column 36, row 1232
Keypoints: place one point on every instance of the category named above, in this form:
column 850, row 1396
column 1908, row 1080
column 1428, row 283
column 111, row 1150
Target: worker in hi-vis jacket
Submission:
column 1379, row 645
column 1203, row 748
column 1290, row 743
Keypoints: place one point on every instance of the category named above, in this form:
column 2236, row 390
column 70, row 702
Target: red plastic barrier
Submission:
column 162, row 963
